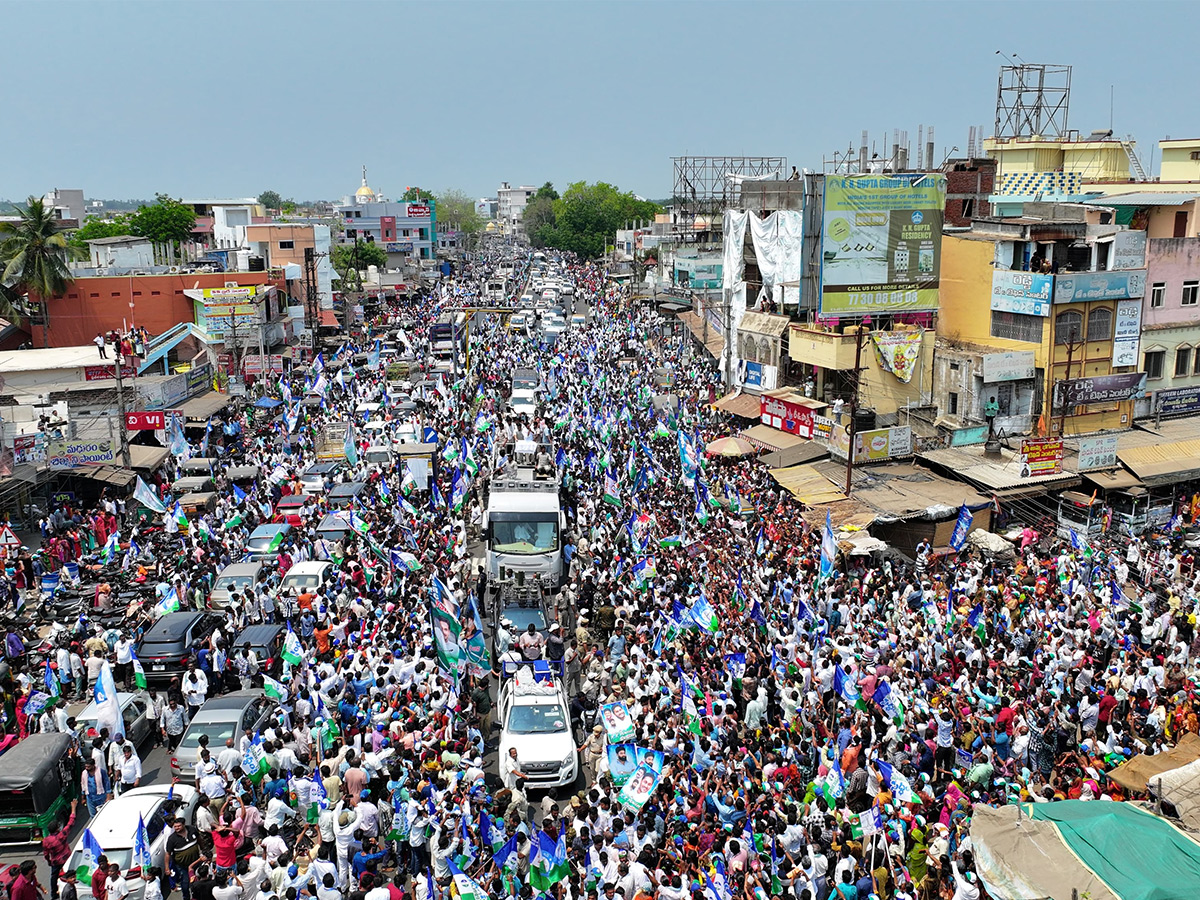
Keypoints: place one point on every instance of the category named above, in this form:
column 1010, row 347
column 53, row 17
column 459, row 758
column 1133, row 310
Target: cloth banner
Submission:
column 898, row 351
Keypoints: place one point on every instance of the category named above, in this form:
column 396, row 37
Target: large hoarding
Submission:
column 881, row 243
column 1081, row 287
column 1027, row 293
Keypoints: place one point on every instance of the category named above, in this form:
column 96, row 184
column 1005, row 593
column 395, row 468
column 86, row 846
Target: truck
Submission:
column 331, row 444
column 523, row 519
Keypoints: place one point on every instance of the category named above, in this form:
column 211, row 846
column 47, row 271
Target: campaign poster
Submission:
column 639, row 787
column 617, row 722
column 622, row 760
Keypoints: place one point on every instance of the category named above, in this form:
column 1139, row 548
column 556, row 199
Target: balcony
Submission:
column 821, row 347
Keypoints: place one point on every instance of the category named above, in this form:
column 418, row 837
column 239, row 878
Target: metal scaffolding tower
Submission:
column 708, row 185
column 1032, row 99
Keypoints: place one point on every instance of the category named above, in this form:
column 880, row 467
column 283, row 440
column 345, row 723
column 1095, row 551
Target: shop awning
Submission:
column 1113, row 479
column 329, row 319
column 768, row 438
column 741, row 404
column 1160, row 464
column 114, row 475
column 147, row 458
column 205, row 406
column 1140, row 771
column 807, row 485
column 800, row 453
column 695, row 323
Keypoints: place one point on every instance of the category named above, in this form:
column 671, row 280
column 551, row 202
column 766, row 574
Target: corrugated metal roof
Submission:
column 1143, row 198
column 999, row 475
column 740, row 404
column 807, row 485
column 695, row 324
column 771, row 438
column 1163, row 463
column 764, row 323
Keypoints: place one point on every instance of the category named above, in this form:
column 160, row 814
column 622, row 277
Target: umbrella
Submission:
column 729, row 446
column 267, row 403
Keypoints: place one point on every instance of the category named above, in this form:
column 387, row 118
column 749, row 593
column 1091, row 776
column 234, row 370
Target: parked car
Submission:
column 264, row 542
column 313, row 478
column 221, row 718
column 344, row 495
column 378, row 456
column 236, row 577
column 116, row 824
column 165, row 649
column 137, row 718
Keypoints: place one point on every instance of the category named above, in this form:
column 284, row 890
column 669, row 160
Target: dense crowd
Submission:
column 826, row 725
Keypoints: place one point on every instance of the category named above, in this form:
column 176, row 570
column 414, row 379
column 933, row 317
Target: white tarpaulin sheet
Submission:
column 733, row 270
column 777, row 240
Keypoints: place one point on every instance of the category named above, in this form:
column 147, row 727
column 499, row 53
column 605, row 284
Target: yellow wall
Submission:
column 884, row 392
column 1177, row 162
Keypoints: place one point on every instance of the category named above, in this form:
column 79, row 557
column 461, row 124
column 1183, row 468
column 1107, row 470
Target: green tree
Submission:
column 34, row 253
column 288, row 207
column 547, row 192
column 351, row 260
column 538, row 215
column 271, row 200
column 94, row 229
column 416, row 195
column 167, row 221
column 457, row 210
column 588, row 215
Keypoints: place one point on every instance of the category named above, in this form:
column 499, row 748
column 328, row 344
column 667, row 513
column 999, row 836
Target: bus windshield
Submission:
column 528, row 534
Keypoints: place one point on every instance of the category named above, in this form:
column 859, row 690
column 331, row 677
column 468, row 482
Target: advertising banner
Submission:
column 146, row 421
column 1080, row 287
column 876, row 445
column 1128, row 334
column 1028, row 293
column 1101, row 389
column 99, row 373
column 1128, row 250
column 227, row 294
column 29, row 448
column 1097, row 453
column 1041, row 457
column 67, row 454
column 790, row 417
column 174, row 390
column 1017, row 365
column 898, row 351
column 881, row 243
column 199, row 379
column 1177, row 400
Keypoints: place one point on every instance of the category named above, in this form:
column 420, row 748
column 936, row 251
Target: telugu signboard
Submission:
column 1128, row 334
column 881, row 243
column 239, row 292
column 876, row 445
column 786, row 415
column 1080, row 287
column 1128, row 250
column 1097, row 453
column 1027, row 293
column 67, row 454
column 1177, row 400
column 1041, row 457
column 100, row 373
column 418, row 211
column 1100, row 389
column 1017, row 365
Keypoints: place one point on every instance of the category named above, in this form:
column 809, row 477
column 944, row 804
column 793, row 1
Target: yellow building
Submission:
column 1009, row 334
column 1028, row 167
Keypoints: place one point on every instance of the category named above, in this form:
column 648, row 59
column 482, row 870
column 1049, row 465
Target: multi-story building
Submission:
column 282, row 245
column 406, row 231
column 222, row 224
column 511, row 203
column 69, row 206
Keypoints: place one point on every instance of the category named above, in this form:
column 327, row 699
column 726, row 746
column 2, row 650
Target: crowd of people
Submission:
column 819, row 727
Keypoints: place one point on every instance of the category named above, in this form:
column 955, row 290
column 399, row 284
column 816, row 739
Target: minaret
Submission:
column 364, row 183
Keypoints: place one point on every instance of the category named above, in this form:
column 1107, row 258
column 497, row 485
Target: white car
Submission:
column 117, row 820
column 524, row 402
column 378, row 455
column 535, row 718
column 310, row 575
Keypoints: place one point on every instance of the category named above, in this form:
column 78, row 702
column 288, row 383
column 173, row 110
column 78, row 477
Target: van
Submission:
column 311, row 576
column 236, row 577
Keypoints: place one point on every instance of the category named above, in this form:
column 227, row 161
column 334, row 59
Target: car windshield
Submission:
column 544, row 718
column 522, row 617
column 525, row 537
column 306, row 580
column 233, row 582
column 217, row 733
column 378, row 456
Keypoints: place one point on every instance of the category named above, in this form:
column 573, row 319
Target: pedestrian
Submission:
column 56, row 848
column 94, row 785
column 98, row 340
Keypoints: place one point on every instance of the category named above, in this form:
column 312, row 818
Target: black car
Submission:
column 267, row 643
column 165, row 649
column 344, row 495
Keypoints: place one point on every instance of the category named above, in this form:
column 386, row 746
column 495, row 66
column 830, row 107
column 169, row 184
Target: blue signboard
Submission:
column 1027, row 293
column 404, row 247
column 754, row 375
column 1080, row 287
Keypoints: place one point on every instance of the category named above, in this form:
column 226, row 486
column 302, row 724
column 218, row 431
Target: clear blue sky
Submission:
column 228, row 99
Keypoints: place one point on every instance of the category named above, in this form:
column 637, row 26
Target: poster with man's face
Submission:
column 622, row 760
column 652, row 757
column 617, row 722
column 639, row 787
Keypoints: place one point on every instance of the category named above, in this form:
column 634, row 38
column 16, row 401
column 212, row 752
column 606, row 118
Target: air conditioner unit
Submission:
column 231, row 284
column 174, row 270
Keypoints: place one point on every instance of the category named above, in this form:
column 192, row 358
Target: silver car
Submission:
column 137, row 718
column 116, row 824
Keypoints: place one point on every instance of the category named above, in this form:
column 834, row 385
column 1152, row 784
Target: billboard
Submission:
column 227, row 294
column 1042, row 456
column 1177, row 400
column 1097, row 453
column 1128, row 250
column 67, row 454
column 1099, row 389
column 1080, row 287
column 1017, row 365
column 1027, row 293
column 876, row 445
column 881, row 243
column 1128, row 334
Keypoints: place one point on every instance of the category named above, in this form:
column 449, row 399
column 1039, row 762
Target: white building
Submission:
column 125, row 252
column 511, row 203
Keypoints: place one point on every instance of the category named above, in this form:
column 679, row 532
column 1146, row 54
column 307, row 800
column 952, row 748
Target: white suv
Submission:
column 535, row 718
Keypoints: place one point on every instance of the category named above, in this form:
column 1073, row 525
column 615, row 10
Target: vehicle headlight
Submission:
column 569, row 759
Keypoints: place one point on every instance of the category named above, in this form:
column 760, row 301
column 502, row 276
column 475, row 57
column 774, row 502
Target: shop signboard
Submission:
column 881, row 243
column 199, row 379
column 1081, row 287
column 100, row 373
column 876, row 445
column 1097, row 453
column 1017, row 365
column 1128, row 334
column 1100, row 389
column 229, row 294
column 1128, row 250
column 1177, row 400
column 822, row 428
column 418, row 210
column 1027, row 293
column 174, row 390
column 781, row 413
column 398, row 247
column 72, row 452
column 146, row 421
column 29, row 448
column 1041, row 456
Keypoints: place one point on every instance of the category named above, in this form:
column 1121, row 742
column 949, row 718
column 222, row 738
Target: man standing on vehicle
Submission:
column 56, row 848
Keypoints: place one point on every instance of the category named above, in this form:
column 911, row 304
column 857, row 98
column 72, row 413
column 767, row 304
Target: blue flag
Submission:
column 962, row 527
column 828, row 548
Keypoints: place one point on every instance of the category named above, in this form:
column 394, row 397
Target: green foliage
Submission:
column 34, row 255
column 349, row 265
column 271, row 200
column 94, row 229
column 288, row 207
column 539, row 214
column 165, row 221
column 457, row 210
column 586, row 216
column 547, row 192
column 416, row 195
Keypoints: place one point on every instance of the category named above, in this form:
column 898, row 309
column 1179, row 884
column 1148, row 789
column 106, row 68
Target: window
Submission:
column 1181, row 222
column 1099, row 325
column 968, row 207
column 1158, row 292
column 953, row 403
column 1152, row 363
column 287, row 245
column 1191, row 293
column 1067, row 327
column 1196, row 364
column 1017, row 327
column 1183, row 361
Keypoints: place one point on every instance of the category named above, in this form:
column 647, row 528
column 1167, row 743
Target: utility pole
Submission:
column 850, row 428
column 1072, row 343
column 124, row 431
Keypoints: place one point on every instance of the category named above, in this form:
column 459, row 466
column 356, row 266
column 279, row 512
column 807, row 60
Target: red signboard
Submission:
column 786, row 416
column 387, row 228
column 99, row 373
column 146, row 421
column 418, row 211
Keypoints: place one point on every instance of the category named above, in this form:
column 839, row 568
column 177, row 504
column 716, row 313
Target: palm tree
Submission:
column 34, row 253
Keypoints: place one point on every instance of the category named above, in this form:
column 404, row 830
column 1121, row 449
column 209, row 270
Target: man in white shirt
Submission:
column 129, row 770
column 195, row 689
